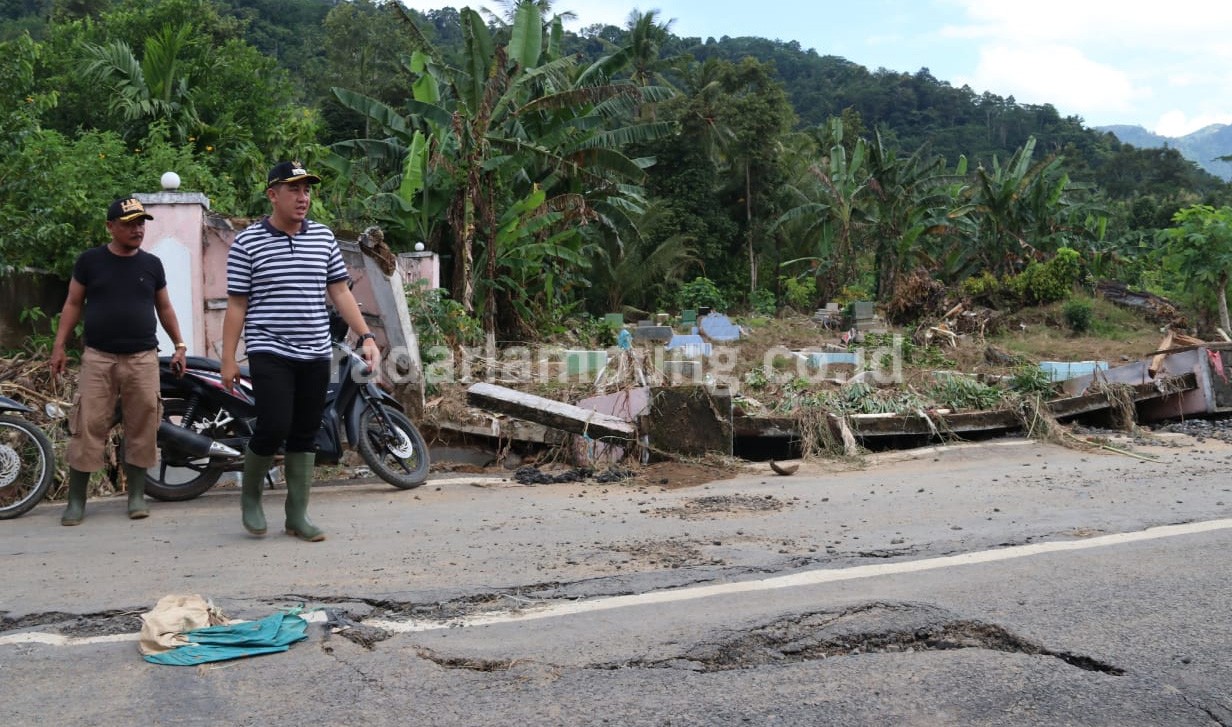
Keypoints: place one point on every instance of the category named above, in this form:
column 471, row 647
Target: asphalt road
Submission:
column 1007, row 583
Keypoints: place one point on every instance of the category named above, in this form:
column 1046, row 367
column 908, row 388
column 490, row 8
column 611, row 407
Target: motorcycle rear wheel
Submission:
column 175, row 483
column 26, row 466
column 392, row 446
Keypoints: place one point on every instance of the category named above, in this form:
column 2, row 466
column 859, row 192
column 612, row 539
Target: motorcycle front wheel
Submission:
column 392, row 446
column 26, row 466
column 178, row 481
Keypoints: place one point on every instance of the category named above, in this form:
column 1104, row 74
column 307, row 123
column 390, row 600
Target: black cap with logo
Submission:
column 127, row 209
column 287, row 172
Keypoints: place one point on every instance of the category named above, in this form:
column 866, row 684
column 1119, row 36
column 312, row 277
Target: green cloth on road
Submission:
column 270, row 635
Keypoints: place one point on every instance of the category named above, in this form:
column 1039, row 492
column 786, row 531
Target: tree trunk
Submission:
column 748, row 220
column 1223, row 303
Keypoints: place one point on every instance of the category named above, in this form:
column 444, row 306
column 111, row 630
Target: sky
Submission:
column 1164, row 66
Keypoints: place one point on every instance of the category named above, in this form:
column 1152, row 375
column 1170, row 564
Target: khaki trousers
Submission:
column 105, row 378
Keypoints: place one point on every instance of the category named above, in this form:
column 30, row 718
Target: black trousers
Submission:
column 290, row 397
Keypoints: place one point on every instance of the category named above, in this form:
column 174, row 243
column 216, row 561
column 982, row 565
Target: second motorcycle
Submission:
column 206, row 426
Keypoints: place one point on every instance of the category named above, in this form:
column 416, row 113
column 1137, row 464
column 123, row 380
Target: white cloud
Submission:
column 1054, row 74
column 1109, row 61
column 1176, row 123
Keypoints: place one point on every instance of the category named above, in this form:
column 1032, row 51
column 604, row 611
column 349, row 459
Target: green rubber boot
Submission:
column 134, row 476
column 256, row 467
column 76, row 510
column 298, row 467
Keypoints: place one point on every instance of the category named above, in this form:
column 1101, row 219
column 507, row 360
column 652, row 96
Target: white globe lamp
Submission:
column 170, row 181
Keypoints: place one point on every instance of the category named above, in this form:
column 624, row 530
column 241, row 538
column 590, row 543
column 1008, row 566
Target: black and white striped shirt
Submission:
column 284, row 279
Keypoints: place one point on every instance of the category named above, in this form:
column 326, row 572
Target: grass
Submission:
column 1116, row 335
column 1030, row 335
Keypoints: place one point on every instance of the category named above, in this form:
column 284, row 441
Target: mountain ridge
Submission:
column 1203, row 147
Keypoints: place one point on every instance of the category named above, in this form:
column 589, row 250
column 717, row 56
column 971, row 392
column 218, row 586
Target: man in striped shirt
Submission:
column 280, row 271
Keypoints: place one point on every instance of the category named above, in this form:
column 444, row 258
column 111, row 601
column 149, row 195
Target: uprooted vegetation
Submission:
column 952, row 357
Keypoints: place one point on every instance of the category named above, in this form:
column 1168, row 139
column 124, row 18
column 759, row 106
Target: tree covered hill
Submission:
column 1204, row 146
column 563, row 173
column 913, row 110
column 918, row 110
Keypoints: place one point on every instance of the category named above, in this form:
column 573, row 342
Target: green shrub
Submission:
column 762, row 302
column 1077, row 314
column 1031, row 380
column 439, row 321
column 963, row 393
column 1048, row 282
column 982, row 287
column 800, row 294
column 701, row 292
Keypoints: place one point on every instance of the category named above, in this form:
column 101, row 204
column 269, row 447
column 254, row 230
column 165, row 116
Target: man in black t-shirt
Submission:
column 117, row 289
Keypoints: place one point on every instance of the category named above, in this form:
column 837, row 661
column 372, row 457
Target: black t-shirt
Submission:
column 119, row 308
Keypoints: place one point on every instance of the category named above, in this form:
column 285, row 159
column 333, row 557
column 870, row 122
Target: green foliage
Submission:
column 859, row 398
column 762, row 302
column 39, row 342
column 982, row 287
column 73, row 180
column 849, row 294
column 799, row 294
column 716, row 180
column 592, row 332
column 925, row 356
column 1030, row 380
column 1198, row 252
column 964, row 393
column 755, row 378
column 1077, row 314
column 440, row 322
column 1043, row 283
column 701, row 292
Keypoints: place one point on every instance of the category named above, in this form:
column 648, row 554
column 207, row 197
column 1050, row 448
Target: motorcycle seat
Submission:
column 206, row 364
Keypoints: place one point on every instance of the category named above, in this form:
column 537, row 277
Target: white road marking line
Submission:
column 62, row 640
column 805, row 578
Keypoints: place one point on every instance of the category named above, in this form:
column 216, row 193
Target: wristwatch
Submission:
column 364, row 337
column 181, row 344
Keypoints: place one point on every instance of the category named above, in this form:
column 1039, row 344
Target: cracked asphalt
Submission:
column 848, row 593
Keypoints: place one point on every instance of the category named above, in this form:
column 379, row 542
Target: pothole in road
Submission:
column 103, row 623
column 867, row 629
column 715, row 506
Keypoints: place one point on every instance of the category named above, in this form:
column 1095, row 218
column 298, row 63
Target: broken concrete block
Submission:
column 690, row 420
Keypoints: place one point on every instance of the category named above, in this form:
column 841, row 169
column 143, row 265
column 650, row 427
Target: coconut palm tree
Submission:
column 159, row 87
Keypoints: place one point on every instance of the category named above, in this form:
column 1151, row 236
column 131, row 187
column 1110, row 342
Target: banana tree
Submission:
column 909, row 197
column 512, row 116
column 830, row 199
column 1012, row 206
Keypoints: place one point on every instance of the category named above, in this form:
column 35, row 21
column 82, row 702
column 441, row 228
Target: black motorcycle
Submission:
column 27, row 461
column 206, row 426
